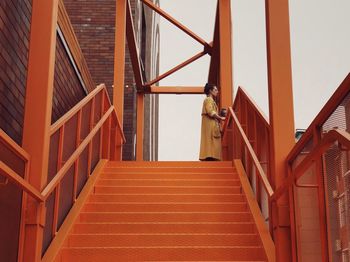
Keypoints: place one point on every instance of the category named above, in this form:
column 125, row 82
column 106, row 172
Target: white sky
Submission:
column 320, row 61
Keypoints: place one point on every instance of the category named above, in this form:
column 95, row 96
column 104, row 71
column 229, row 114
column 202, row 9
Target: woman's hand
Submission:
column 222, row 118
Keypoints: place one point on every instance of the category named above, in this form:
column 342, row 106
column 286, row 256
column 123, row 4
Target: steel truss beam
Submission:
column 175, row 22
column 177, row 90
column 177, row 68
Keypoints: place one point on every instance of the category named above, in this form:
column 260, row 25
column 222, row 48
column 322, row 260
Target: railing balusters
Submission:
column 76, row 164
column 101, row 131
column 56, row 209
column 108, row 126
column 92, row 121
column 57, row 190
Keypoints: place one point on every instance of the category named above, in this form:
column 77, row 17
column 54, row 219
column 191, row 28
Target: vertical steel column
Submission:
column 281, row 113
column 119, row 68
column 37, row 117
column 140, row 125
column 226, row 79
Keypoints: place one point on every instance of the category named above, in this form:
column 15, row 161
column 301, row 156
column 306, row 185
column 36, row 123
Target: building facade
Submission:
column 94, row 24
column 84, row 57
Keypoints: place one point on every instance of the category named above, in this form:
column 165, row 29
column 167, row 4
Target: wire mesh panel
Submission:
column 10, row 205
column 307, row 215
column 337, row 186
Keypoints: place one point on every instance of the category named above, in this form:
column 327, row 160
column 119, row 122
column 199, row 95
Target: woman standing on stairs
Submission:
column 210, row 148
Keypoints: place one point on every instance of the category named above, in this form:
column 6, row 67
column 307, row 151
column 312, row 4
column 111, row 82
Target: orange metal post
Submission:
column 119, row 65
column 37, row 118
column 214, row 60
column 133, row 50
column 226, row 79
column 281, row 113
column 140, row 123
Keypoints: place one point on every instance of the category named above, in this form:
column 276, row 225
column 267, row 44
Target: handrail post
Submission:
column 281, row 113
column 37, row 117
column 140, row 126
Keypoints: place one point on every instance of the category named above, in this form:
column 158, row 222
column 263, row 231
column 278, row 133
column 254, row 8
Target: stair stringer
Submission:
column 53, row 251
column 261, row 227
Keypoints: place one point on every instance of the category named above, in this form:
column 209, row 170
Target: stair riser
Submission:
column 159, row 164
column 199, row 170
column 164, row 217
column 161, row 240
column 163, row 228
column 167, row 198
column 167, row 190
column 163, row 254
column 142, row 182
column 189, row 176
column 152, row 207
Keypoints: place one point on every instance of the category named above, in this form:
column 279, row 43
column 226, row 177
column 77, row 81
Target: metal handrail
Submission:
column 63, row 171
column 242, row 93
column 327, row 140
column 8, row 172
column 256, row 162
column 13, row 146
column 321, row 118
column 72, row 112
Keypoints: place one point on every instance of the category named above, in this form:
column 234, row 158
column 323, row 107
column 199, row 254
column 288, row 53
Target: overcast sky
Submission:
column 320, row 61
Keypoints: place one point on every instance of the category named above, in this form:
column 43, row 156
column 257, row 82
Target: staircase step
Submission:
column 94, row 217
column 164, row 227
column 158, row 164
column 164, row 207
column 134, row 240
column 167, row 198
column 169, row 170
column 162, row 253
column 168, row 175
column 166, row 190
column 168, row 182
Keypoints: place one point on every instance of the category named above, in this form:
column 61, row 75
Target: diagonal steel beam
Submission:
column 177, row 89
column 192, row 59
column 133, row 50
column 175, row 22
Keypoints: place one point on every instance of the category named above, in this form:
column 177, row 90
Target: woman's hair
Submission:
column 208, row 87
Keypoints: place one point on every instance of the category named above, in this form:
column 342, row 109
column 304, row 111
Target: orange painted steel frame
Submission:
column 281, row 115
column 124, row 24
column 119, row 65
column 252, row 119
column 108, row 119
column 244, row 140
column 321, row 142
column 37, row 116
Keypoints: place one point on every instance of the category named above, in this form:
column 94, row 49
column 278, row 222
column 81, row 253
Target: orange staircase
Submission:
column 165, row 211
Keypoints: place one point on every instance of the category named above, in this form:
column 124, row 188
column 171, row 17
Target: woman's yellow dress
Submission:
column 210, row 132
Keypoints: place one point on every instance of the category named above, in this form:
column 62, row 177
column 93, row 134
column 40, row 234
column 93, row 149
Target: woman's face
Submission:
column 214, row 92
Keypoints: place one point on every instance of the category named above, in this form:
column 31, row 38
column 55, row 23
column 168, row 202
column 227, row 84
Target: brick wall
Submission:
column 94, row 25
column 67, row 88
column 15, row 16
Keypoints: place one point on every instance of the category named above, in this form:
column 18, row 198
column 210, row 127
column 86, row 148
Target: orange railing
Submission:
column 318, row 167
column 14, row 167
column 87, row 133
column 242, row 140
